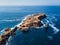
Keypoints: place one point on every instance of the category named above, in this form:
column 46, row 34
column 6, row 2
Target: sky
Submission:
column 28, row 2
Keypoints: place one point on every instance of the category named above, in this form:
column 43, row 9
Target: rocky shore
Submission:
column 5, row 36
column 33, row 21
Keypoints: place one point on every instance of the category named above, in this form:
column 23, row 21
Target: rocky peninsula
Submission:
column 5, row 36
column 33, row 21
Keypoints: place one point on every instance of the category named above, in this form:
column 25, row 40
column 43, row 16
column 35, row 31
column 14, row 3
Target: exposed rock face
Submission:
column 32, row 21
column 5, row 36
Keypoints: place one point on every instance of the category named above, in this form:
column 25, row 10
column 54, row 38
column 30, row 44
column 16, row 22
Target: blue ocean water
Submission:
column 13, row 15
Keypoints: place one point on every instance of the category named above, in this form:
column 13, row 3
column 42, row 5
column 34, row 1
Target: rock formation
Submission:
column 5, row 36
column 33, row 21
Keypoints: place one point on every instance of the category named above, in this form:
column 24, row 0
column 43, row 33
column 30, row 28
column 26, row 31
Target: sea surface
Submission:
column 13, row 15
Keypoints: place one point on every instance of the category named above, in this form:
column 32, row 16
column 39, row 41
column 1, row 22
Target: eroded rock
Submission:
column 33, row 21
column 6, row 34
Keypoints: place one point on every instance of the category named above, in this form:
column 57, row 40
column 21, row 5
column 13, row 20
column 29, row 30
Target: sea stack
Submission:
column 33, row 21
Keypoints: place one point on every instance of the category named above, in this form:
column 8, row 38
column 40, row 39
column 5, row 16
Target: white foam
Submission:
column 22, row 21
column 50, row 37
column 43, row 24
column 52, row 19
column 8, row 40
column 1, row 32
column 15, row 25
column 7, row 20
column 55, row 18
column 56, row 30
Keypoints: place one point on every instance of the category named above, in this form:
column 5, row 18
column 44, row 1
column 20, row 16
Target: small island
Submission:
column 33, row 21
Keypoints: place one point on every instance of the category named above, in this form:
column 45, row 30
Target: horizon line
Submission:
column 29, row 5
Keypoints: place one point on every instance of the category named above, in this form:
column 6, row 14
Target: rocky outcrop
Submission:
column 33, row 21
column 5, row 36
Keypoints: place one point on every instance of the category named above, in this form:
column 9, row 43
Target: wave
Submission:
column 17, row 26
column 50, row 37
column 12, row 21
column 7, row 20
column 9, row 40
column 25, row 17
column 56, row 30
column 22, row 20
column 1, row 32
column 51, row 20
